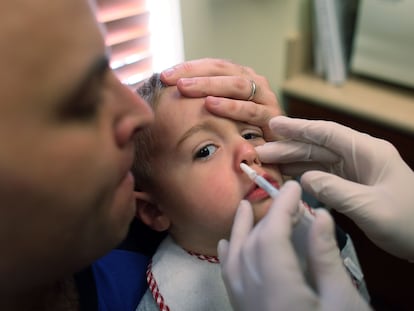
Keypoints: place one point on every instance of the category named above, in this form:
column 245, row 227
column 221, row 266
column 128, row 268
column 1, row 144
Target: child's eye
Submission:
column 205, row 152
column 252, row 135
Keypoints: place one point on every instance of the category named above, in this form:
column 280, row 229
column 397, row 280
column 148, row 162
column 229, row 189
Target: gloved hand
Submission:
column 261, row 271
column 227, row 86
column 373, row 186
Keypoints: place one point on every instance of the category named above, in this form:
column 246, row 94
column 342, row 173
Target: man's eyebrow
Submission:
column 98, row 67
column 205, row 126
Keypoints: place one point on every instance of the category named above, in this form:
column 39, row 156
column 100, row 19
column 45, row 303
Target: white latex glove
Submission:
column 261, row 271
column 375, row 187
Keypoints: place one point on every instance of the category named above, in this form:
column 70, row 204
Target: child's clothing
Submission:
column 182, row 281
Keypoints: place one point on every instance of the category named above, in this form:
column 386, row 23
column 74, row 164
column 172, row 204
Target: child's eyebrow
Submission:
column 204, row 126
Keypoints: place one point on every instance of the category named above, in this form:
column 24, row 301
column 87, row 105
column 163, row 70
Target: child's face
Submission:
column 198, row 170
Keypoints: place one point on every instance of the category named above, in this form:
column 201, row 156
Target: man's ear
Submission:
column 149, row 213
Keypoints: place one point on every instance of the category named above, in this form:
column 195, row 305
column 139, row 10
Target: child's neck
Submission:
column 195, row 246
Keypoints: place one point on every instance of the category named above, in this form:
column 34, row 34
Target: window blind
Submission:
column 128, row 36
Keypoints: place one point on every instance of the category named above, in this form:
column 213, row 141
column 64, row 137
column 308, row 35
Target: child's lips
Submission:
column 256, row 193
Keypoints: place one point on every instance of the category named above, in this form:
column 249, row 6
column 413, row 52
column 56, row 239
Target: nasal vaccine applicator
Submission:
column 259, row 180
column 300, row 230
column 300, row 235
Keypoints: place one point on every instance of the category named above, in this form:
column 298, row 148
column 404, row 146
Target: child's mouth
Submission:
column 256, row 193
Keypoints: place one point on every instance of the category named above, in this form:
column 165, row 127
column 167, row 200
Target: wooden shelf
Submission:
column 375, row 101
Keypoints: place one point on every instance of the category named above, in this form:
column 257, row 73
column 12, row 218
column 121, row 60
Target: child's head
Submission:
column 192, row 183
column 148, row 141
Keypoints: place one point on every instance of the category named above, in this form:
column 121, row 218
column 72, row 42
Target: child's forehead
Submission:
column 177, row 111
column 176, row 106
column 177, row 115
column 174, row 114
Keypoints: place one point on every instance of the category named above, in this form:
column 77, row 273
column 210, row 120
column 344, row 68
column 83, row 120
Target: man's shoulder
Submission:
column 120, row 278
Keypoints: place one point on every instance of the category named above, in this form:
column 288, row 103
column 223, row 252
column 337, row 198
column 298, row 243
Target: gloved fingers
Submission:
column 289, row 194
column 288, row 151
column 230, row 273
column 343, row 195
column 373, row 208
column 334, row 286
column 255, row 248
column 242, row 226
column 274, row 231
column 298, row 168
column 267, row 274
column 223, row 250
column 341, row 150
column 324, row 255
column 230, row 252
column 324, row 133
column 269, row 261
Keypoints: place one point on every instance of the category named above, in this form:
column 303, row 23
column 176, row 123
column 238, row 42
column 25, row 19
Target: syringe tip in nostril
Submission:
column 248, row 170
column 259, row 180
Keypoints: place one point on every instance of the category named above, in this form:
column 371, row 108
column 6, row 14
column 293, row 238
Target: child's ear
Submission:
column 149, row 213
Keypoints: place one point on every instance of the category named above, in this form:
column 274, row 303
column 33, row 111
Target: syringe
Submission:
column 259, row 180
column 300, row 230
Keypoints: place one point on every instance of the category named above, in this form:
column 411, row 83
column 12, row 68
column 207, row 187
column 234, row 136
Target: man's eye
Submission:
column 84, row 104
column 205, row 152
column 87, row 108
column 81, row 108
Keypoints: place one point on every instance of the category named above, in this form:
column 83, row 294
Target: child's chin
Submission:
column 261, row 209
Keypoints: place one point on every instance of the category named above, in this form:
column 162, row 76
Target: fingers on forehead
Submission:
column 210, row 67
column 249, row 112
column 255, row 114
column 234, row 87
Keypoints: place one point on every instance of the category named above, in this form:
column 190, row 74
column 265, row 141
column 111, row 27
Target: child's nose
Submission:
column 247, row 154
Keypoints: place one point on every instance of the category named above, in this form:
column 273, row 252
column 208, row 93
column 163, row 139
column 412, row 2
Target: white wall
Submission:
column 249, row 32
column 165, row 27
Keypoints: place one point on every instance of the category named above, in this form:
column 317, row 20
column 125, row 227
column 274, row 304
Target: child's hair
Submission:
column 145, row 146
column 145, row 142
